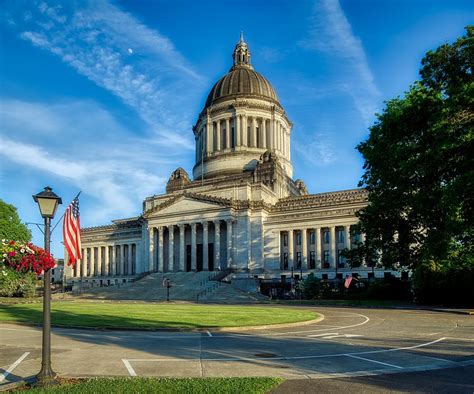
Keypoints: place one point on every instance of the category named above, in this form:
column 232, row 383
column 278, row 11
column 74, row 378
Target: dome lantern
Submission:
column 241, row 54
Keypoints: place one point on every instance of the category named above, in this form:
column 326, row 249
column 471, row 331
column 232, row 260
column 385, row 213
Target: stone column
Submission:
column 317, row 240
column 227, row 134
column 253, row 132
column 171, row 248
column 304, row 249
column 193, row 248
column 333, row 242
column 208, row 135
column 283, row 142
column 288, row 144
column 112, row 269
column 83, row 270
column 229, row 243
column 122, row 260
column 182, row 251
column 218, row 135
column 291, row 262
column 205, row 246
column 272, row 134
column 130, row 270
column 264, row 134
column 217, row 244
column 107, row 261
column 100, row 261
column 244, row 130
column 151, row 261
column 347, row 237
column 160, row 249
column 237, row 122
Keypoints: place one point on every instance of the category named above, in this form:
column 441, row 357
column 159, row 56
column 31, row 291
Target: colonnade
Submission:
column 314, row 248
column 241, row 130
column 190, row 246
column 107, row 260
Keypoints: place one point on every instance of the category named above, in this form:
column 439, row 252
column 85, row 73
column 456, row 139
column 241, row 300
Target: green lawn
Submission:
column 164, row 385
column 152, row 316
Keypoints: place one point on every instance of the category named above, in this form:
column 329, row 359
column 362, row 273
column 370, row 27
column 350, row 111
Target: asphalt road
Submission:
column 371, row 349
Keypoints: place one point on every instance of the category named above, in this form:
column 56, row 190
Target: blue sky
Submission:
column 100, row 96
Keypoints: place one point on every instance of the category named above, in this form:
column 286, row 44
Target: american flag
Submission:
column 348, row 281
column 72, row 232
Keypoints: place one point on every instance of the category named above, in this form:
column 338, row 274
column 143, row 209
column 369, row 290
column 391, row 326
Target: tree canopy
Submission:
column 419, row 164
column 11, row 227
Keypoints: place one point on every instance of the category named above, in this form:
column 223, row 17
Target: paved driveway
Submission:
column 348, row 342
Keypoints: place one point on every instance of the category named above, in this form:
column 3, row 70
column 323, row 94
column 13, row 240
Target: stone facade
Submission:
column 242, row 210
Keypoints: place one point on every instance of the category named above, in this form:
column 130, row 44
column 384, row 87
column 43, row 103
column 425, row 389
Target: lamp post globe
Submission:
column 48, row 203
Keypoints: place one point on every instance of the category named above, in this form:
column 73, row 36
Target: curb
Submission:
column 454, row 311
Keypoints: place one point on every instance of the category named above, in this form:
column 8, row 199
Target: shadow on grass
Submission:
column 61, row 318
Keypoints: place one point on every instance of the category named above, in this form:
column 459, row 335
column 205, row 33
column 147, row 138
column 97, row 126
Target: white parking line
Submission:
column 4, row 375
column 373, row 361
column 130, row 370
column 208, row 333
column 323, row 335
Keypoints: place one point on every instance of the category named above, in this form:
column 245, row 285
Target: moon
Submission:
column 130, row 51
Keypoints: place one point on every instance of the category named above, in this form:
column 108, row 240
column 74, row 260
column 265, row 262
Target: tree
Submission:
column 11, row 227
column 419, row 165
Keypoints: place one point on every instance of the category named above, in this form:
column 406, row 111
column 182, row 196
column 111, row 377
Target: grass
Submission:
column 153, row 316
column 163, row 385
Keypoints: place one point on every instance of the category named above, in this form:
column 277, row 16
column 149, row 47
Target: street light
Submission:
column 48, row 203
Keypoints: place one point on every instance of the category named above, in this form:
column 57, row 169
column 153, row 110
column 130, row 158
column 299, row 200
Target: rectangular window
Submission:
column 326, row 256
column 285, row 239
column 312, row 237
column 326, row 236
column 298, row 260
column 298, row 238
column 285, row 261
column 340, row 259
column 340, row 236
column 312, row 260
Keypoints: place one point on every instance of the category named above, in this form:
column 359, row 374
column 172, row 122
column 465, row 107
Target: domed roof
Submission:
column 242, row 80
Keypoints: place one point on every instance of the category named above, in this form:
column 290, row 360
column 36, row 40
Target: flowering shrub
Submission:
column 24, row 258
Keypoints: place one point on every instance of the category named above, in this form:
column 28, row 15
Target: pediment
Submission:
column 189, row 204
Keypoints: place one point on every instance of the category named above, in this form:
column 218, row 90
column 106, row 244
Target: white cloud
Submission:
column 94, row 38
column 331, row 33
column 319, row 152
column 117, row 170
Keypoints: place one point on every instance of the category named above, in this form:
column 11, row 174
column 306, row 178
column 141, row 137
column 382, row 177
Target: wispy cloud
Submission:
column 117, row 170
column 330, row 32
column 316, row 148
column 95, row 37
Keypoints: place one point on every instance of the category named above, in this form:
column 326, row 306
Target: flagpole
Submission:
column 61, row 218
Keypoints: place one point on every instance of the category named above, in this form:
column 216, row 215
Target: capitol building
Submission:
column 240, row 210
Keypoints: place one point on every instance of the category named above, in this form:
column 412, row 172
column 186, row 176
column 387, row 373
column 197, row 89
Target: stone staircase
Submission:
column 227, row 293
column 185, row 286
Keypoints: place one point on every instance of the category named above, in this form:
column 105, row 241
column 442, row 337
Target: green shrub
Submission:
column 13, row 283
column 444, row 283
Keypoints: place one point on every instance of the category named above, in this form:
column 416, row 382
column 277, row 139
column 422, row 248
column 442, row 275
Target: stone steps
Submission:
column 185, row 286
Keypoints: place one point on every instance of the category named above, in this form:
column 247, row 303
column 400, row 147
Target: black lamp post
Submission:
column 48, row 203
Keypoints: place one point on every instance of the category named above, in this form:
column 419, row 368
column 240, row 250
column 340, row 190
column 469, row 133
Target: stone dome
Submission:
column 242, row 80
